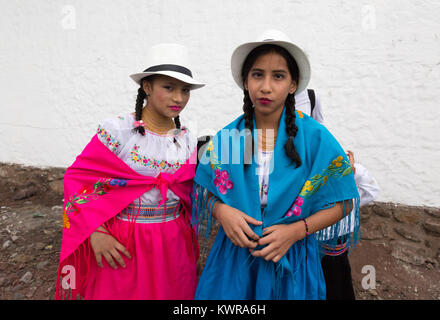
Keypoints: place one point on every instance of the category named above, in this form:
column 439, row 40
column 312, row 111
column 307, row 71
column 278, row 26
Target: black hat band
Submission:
column 169, row 67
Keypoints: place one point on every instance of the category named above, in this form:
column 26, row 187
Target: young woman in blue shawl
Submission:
column 273, row 178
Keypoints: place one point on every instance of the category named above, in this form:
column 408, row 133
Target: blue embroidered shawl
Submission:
column 324, row 178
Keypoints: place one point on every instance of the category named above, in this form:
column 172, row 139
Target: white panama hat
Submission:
column 277, row 38
column 171, row 60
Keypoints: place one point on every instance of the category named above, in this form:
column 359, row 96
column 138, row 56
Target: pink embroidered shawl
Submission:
column 97, row 186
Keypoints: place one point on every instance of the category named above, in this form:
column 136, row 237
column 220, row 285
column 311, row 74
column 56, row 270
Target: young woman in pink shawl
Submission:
column 126, row 219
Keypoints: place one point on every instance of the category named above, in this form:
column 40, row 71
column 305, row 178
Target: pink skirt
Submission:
column 163, row 263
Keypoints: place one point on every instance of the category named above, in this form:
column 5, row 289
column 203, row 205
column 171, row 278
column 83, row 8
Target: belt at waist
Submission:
column 151, row 213
column 335, row 250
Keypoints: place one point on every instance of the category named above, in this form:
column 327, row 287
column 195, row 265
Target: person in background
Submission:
column 309, row 102
column 335, row 264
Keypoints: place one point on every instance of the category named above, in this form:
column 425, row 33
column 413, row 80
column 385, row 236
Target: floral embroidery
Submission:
column 221, row 180
column 66, row 222
column 296, row 208
column 152, row 163
column 212, row 156
column 339, row 166
column 264, row 189
column 121, row 118
column 300, row 114
column 110, row 140
column 88, row 193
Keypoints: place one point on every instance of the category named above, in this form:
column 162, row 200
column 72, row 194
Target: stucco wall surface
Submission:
column 64, row 67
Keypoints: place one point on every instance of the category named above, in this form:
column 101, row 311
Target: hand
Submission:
column 107, row 246
column 236, row 225
column 279, row 238
column 350, row 156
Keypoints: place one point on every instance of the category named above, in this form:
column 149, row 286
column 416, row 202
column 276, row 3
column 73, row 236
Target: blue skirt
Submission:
column 232, row 273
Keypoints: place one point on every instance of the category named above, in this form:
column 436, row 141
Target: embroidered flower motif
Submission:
column 222, row 181
column 212, row 157
column 296, row 207
column 337, row 162
column 108, row 138
column 264, row 189
column 307, row 186
column 299, row 201
column 88, row 193
column 152, row 163
column 86, row 189
column 118, row 182
column 210, row 146
column 338, row 167
column 300, row 114
column 66, row 222
column 222, row 189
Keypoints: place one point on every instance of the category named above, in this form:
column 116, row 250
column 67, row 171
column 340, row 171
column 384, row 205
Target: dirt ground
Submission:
column 30, row 239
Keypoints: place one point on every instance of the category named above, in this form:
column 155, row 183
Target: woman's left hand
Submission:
column 278, row 239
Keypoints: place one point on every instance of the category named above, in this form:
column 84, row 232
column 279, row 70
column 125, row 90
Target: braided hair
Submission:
column 248, row 124
column 138, row 110
column 291, row 128
column 141, row 96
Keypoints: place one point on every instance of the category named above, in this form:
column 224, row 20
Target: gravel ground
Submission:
column 30, row 239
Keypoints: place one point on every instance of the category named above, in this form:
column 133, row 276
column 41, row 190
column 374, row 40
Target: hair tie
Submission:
column 139, row 123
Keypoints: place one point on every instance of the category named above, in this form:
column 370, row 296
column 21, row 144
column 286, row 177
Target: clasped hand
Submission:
column 276, row 239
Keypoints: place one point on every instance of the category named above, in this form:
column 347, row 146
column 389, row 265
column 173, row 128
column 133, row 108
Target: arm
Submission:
column 279, row 238
column 365, row 183
column 367, row 186
column 327, row 217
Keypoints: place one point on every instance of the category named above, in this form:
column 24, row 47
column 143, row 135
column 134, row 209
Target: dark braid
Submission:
column 291, row 130
column 247, row 109
column 139, row 106
column 249, row 124
column 177, row 122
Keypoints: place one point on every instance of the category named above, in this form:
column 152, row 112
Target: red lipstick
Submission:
column 175, row 108
column 264, row 101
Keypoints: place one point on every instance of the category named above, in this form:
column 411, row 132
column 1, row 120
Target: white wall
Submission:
column 64, row 66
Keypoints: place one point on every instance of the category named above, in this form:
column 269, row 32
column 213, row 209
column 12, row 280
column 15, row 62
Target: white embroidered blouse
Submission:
column 265, row 167
column 147, row 155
